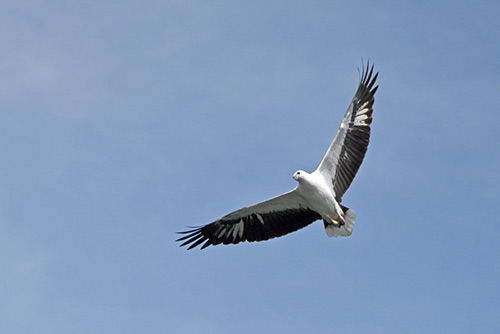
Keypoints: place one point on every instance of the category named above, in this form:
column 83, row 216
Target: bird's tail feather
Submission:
column 344, row 230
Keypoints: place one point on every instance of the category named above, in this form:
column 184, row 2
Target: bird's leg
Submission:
column 341, row 220
column 338, row 210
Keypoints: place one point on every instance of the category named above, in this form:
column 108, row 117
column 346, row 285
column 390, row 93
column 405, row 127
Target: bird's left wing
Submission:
column 345, row 155
column 266, row 220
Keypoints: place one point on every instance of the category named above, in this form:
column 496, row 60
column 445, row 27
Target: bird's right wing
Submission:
column 266, row 220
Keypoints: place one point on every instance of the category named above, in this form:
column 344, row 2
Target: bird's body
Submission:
column 317, row 196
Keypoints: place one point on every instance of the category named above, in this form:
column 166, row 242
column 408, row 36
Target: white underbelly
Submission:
column 320, row 199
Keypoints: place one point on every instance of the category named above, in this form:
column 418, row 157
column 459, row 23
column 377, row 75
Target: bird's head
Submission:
column 298, row 174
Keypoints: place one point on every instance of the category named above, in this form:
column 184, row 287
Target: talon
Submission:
column 342, row 221
column 338, row 224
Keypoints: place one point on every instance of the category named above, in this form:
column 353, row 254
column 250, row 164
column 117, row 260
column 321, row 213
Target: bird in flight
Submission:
column 317, row 196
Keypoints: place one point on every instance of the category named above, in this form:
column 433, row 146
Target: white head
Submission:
column 298, row 174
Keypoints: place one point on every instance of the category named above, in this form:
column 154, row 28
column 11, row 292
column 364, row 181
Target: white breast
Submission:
column 319, row 195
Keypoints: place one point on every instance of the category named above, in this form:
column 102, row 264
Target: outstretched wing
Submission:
column 345, row 155
column 266, row 220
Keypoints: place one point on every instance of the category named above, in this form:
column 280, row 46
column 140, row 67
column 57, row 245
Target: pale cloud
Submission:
column 34, row 72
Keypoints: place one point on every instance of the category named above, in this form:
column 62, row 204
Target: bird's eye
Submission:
column 298, row 173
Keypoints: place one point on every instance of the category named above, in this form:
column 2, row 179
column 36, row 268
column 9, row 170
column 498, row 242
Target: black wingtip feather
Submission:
column 199, row 241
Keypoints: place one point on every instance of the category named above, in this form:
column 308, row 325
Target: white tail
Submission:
column 344, row 230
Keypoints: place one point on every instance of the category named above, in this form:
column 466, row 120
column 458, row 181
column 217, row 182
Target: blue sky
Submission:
column 124, row 122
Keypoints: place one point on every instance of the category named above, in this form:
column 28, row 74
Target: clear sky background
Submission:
column 122, row 122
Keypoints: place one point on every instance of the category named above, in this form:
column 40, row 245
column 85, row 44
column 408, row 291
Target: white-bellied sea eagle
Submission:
column 317, row 196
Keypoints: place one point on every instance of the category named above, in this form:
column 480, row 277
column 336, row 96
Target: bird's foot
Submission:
column 341, row 221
